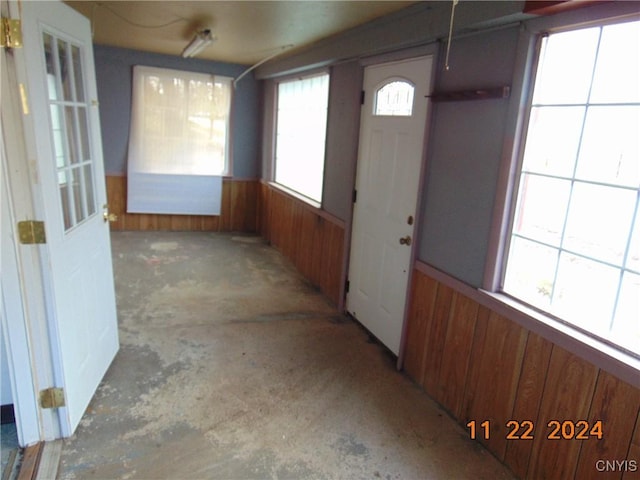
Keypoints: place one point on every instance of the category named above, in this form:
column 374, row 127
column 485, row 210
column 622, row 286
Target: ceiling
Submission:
column 247, row 31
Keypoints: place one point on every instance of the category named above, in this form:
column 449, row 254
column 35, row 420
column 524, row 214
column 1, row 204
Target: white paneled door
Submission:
column 390, row 156
column 63, row 130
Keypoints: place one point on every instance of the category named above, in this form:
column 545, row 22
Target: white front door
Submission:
column 387, row 180
column 63, row 134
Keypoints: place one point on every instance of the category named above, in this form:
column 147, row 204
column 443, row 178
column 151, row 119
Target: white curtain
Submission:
column 301, row 133
column 178, row 143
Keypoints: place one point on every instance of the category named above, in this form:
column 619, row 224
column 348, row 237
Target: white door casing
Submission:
column 390, row 156
column 62, row 98
column 23, row 381
column 23, row 311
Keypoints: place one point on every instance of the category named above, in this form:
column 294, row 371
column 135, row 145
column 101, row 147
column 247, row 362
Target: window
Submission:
column 300, row 134
column 574, row 248
column 178, row 147
column 394, row 99
column 72, row 149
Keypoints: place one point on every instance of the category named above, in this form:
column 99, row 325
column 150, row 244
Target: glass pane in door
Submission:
column 70, row 130
column 77, row 73
column 65, row 80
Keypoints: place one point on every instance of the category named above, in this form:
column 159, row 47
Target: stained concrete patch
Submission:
column 232, row 366
column 348, row 446
column 164, row 246
column 249, row 239
column 136, row 372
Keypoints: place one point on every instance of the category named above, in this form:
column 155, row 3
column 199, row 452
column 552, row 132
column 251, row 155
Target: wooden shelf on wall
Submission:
column 475, row 94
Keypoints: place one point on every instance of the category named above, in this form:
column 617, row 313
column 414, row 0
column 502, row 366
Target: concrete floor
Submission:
column 232, row 366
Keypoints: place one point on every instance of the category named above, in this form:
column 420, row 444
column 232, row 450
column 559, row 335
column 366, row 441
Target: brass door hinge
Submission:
column 11, row 33
column 52, row 398
column 31, row 232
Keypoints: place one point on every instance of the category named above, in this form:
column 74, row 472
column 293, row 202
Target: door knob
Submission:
column 109, row 217
column 405, row 240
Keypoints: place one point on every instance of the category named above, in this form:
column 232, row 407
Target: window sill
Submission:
column 599, row 353
column 307, row 203
column 296, row 195
column 596, row 352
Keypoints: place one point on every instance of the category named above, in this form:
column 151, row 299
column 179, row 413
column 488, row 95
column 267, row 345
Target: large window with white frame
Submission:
column 574, row 246
column 301, row 126
column 178, row 142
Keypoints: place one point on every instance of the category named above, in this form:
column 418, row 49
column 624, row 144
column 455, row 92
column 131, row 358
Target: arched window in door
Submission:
column 394, row 98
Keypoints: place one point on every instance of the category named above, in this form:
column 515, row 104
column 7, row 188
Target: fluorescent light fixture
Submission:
column 201, row 39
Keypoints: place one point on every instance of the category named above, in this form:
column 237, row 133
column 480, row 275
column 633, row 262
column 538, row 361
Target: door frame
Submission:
column 28, row 334
column 408, row 54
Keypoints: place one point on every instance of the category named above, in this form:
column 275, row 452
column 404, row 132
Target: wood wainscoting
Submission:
column 481, row 366
column 238, row 213
column 311, row 238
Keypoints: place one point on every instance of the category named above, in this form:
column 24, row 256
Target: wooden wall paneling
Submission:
column 306, row 233
column 285, row 220
column 243, row 211
column 224, row 224
column 331, row 254
column 260, row 200
column 164, row 222
column 313, row 244
column 180, row 223
column 116, row 199
column 423, row 299
column 527, row 405
column 325, row 248
column 271, row 218
column 260, row 210
column 297, row 211
column 634, row 452
column 290, row 237
column 496, row 363
column 131, row 221
column 296, row 225
column 210, row 223
column 457, row 350
column 148, row 222
column 317, row 262
column 287, row 239
column 264, row 223
column 251, row 207
column 267, row 210
column 568, row 393
column 276, row 219
column 238, row 210
column 237, row 202
column 616, row 404
column 435, row 339
column 337, row 249
column 197, row 222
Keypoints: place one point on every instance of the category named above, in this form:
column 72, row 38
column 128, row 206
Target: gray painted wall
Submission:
column 114, row 74
column 464, row 156
column 418, row 24
column 343, row 131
